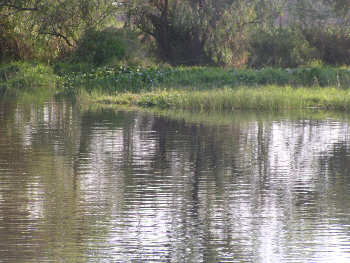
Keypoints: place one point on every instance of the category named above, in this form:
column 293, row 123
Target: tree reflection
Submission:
column 130, row 186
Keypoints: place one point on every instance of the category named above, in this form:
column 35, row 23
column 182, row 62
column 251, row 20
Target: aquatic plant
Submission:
column 115, row 79
column 267, row 98
column 19, row 76
column 133, row 79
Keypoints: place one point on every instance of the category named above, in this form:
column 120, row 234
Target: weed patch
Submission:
column 263, row 98
column 25, row 76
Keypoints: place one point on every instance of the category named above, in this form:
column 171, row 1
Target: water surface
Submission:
column 104, row 186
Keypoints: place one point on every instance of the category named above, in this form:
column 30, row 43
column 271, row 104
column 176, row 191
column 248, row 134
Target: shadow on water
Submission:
column 117, row 186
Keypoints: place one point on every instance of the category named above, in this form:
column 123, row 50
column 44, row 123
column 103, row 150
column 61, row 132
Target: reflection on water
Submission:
column 135, row 187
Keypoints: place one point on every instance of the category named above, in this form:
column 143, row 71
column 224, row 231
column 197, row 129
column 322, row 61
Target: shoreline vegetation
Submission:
column 191, row 55
column 186, row 88
column 266, row 98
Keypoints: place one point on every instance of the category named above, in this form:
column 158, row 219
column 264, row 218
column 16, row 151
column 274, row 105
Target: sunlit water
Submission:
column 134, row 187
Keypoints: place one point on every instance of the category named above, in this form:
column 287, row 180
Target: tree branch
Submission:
column 59, row 35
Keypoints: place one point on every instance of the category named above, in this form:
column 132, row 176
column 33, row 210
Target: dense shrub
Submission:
column 115, row 79
column 102, row 47
column 279, row 48
column 333, row 45
column 25, row 76
column 62, row 68
column 109, row 80
column 12, row 44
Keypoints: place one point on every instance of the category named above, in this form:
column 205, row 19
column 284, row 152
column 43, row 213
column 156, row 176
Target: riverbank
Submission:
column 267, row 98
column 111, row 80
column 189, row 88
column 216, row 89
column 27, row 79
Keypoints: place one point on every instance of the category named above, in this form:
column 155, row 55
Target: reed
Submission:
column 264, row 98
column 194, row 88
column 127, row 79
column 19, row 77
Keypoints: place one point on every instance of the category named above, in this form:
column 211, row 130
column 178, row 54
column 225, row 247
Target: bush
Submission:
column 101, row 47
column 62, row 68
column 332, row 45
column 25, row 76
column 279, row 48
column 13, row 46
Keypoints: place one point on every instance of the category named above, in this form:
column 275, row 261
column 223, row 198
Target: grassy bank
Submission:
column 26, row 77
column 109, row 80
column 190, row 88
column 269, row 98
column 216, row 89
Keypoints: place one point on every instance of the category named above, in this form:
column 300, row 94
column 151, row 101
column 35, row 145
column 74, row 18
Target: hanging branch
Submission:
column 59, row 35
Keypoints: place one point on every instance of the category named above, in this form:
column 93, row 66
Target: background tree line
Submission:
column 257, row 33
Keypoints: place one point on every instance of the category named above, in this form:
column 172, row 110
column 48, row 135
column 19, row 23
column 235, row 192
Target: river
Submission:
column 126, row 186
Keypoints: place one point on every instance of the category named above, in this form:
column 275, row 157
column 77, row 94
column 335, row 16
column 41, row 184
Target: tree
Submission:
column 57, row 24
column 175, row 26
column 196, row 31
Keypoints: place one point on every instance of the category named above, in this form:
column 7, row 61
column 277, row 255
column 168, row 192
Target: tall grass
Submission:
column 126, row 79
column 302, row 76
column 205, row 88
column 267, row 98
column 195, row 88
column 17, row 77
column 114, row 79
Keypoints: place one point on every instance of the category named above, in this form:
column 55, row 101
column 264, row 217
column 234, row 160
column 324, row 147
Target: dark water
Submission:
column 79, row 186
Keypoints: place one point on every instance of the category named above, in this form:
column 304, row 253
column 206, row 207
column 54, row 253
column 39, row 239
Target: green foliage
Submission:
column 280, row 48
column 196, row 32
column 51, row 27
column 20, row 76
column 227, row 36
column 333, row 45
column 114, row 79
column 267, row 98
column 107, row 47
column 232, row 33
column 199, row 88
column 8, row 48
column 132, row 79
column 101, row 47
column 160, row 99
column 62, row 68
column 13, row 44
column 208, row 77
